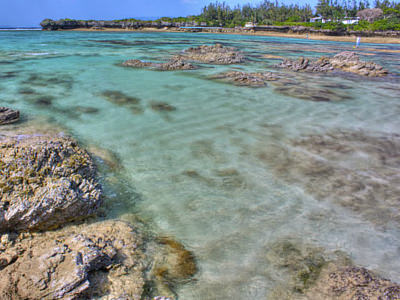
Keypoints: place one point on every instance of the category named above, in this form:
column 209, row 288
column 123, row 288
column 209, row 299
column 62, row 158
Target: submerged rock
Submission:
column 345, row 61
column 122, row 99
column 317, row 274
column 214, row 54
column 356, row 170
column 172, row 65
column 8, row 115
column 173, row 265
column 76, row 262
column 245, row 79
column 162, row 106
column 45, row 181
column 311, row 92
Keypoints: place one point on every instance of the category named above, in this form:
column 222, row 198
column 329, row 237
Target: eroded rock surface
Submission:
column 45, row 181
column 8, row 115
column 214, row 54
column 100, row 260
column 355, row 169
column 345, row 61
column 245, row 79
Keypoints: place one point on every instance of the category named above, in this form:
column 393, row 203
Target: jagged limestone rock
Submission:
column 45, row 181
column 99, row 260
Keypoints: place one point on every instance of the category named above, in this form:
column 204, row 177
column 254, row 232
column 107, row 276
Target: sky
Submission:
column 32, row 12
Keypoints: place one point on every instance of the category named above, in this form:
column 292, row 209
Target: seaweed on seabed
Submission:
column 173, row 265
column 124, row 100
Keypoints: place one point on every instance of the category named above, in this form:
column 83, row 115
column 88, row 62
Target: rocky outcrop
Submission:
column 8, row 115
column 214, row 54
column 245, row 79
column 76, row 262
column 172, row 65
column 345, row 61
column 45, row 181
column 350, row 62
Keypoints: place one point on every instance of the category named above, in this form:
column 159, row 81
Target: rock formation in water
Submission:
column 295, row 87
column 172, row 65
column 214, row 54
column 8, row 115
column 357, row 170
column 345, row 61
column 76, row 262
column 245, row 79
column 316, row 274
column 45, row 181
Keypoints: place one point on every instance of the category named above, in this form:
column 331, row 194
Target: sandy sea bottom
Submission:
column 233, row 170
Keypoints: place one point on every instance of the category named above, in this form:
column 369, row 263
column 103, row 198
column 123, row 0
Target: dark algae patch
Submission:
column 121, row 99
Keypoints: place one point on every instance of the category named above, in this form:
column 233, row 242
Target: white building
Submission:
column 249, row 25
column 350, row 21
column 319, row 19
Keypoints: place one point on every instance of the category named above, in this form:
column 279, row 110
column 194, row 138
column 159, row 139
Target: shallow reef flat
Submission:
column 224, row 177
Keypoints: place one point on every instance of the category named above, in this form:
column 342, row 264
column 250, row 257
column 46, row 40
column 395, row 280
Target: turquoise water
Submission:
column 195, row 173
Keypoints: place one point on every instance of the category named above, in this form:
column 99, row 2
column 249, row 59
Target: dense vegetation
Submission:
column 385, row 15
column 275, row 13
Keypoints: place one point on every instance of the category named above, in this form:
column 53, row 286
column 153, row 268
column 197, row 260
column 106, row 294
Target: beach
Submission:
column 317, row 37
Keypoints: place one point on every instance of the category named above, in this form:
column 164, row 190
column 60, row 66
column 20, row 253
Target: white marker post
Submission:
column 358, row 41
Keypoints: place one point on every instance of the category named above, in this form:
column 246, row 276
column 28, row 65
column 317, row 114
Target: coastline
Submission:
column 317, row 37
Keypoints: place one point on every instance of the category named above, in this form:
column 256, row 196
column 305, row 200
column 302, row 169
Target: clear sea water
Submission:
column 195, row 173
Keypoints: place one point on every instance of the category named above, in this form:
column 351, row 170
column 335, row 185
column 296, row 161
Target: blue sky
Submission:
column 31, row 12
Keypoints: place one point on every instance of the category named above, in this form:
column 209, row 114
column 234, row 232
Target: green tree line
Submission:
column 277, row 13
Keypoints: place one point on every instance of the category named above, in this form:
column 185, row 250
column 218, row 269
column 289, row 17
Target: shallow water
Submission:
column 195, row 173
